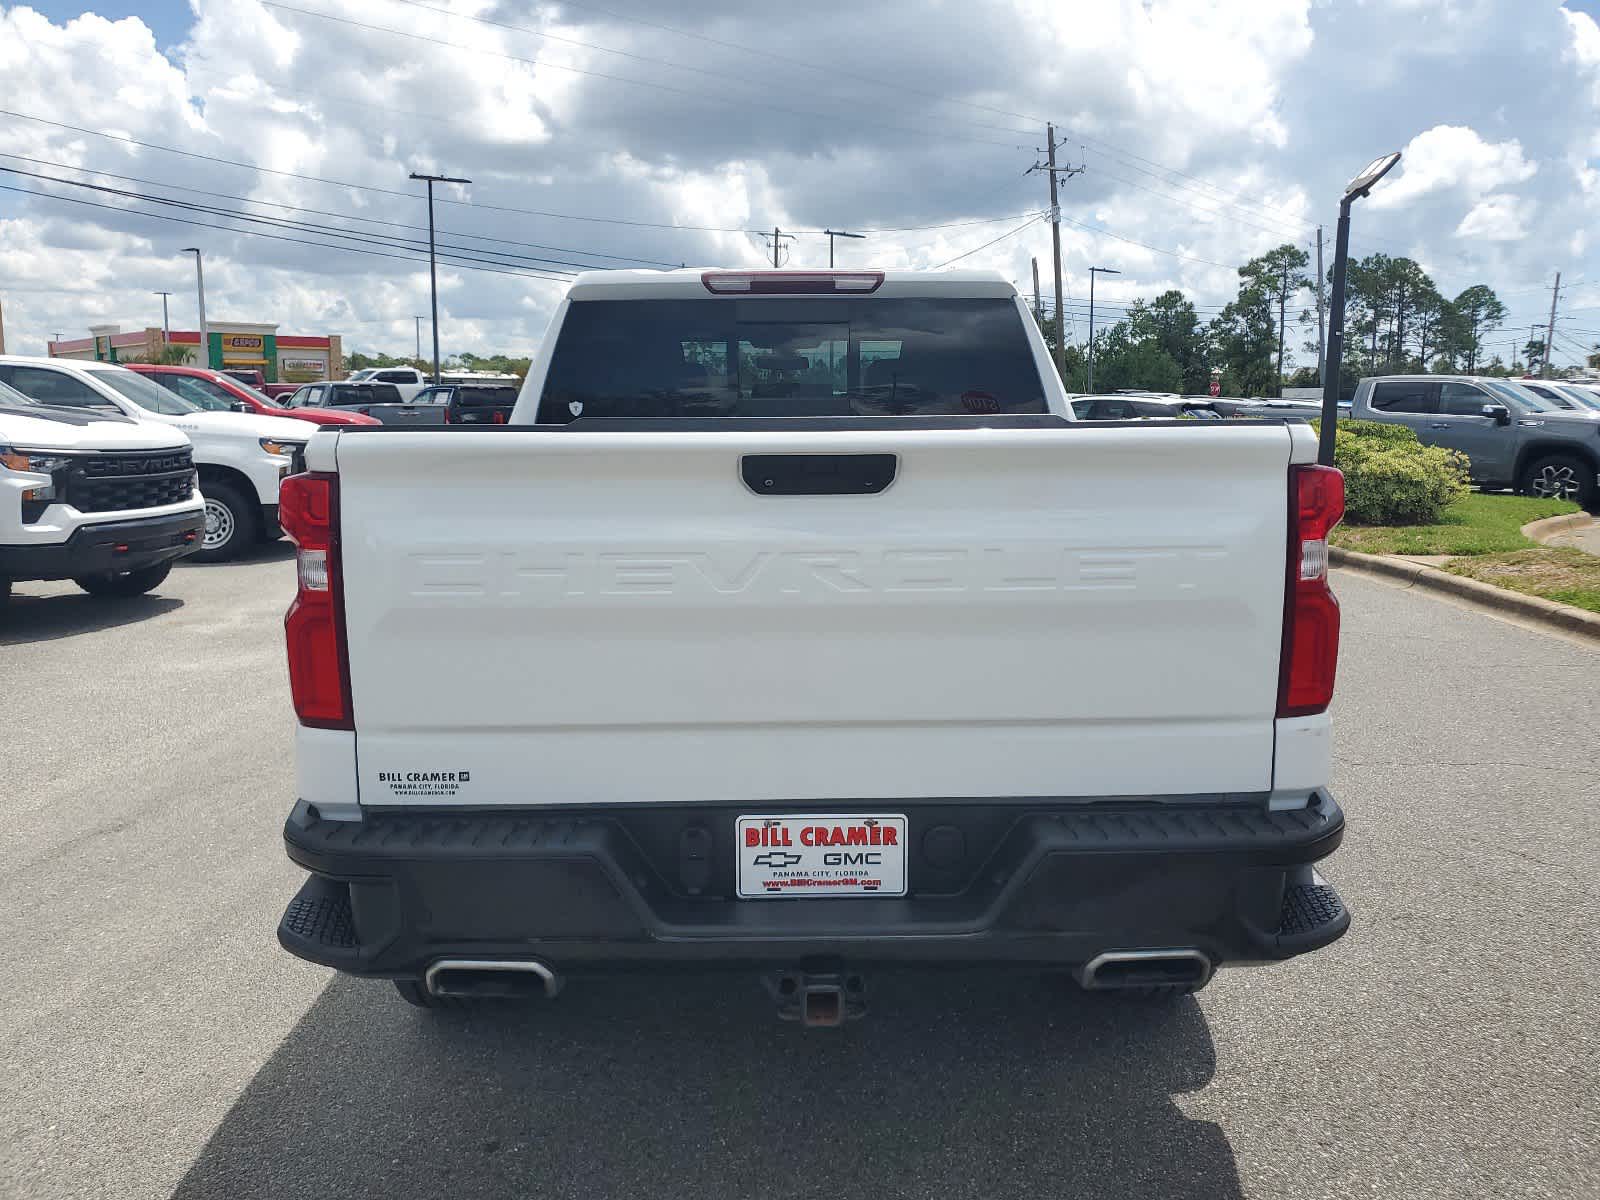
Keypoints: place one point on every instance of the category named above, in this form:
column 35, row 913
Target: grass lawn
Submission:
column 1480, row 524
column 1556, row 573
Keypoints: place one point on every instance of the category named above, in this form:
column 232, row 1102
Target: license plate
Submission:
column 795, row 857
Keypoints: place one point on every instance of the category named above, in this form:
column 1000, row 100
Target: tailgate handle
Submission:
column 818, row 474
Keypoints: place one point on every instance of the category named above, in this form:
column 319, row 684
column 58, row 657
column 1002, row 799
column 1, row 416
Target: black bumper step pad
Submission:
column 1312, row 915
column 320, row 916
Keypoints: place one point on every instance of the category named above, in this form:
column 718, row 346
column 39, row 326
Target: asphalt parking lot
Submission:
column 157, row 1041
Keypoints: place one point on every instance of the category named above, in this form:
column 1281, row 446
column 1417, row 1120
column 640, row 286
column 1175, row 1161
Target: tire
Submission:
column 231, row 523
column 1560, row 476
column 123, row 584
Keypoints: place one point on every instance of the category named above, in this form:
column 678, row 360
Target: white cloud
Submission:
column 1497, row 218
column 1585, row 37
column 1453, row 157
column 1209, row 133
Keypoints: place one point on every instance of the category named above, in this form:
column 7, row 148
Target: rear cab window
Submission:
column 1405, row 396
column 782, row 357
column 484, row 397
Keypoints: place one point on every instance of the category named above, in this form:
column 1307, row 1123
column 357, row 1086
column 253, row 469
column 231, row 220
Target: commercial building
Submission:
column 281, row 358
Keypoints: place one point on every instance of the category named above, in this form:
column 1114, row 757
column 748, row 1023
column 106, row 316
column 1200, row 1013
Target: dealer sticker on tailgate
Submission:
column 796, row 857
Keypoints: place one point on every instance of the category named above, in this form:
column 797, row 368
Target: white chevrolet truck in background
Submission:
column 106, row 502
column 793, row 625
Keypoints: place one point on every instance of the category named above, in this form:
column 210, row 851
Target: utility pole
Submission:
column 200, row 285
column 1283, row 304
column 1049, row 167
column 1038, row 309
column 418, row 320
column 1550, row 337
column 779, row 237
column 166, row 330
column 1322, row 342
column 1093, row 271
column 837, row 233
column 433, row 270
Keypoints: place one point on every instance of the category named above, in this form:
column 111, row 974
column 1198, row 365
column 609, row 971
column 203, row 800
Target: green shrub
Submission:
column 1379, row 431
column 1390, row 478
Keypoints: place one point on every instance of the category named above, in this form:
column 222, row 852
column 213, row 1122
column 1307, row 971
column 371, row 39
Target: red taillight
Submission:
column 497, row 418
column 319, row 664
column 791, row 283
column 1310, row 610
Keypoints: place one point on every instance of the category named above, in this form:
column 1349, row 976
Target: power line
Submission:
column 480, row 52
column 720, row 75
column 1135, row 242
column 834, row 72
column 367, row 187
column 723, row 76
column 523, row 274
column 361, row 237
column 991, row 242
column 476, row 204
column 322, row 212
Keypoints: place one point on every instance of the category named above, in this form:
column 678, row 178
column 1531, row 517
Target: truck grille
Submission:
column 118, row 482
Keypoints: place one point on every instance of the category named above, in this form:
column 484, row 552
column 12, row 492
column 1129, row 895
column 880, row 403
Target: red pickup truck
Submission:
column 256, row 380
column 221, row 390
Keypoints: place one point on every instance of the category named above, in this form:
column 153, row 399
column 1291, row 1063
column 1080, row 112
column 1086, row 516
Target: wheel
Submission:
column 1560, row 477
column 124, row 583
column 230, row 523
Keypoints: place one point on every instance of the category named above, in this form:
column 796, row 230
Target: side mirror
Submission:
column 239, row 406
column 1498, row 413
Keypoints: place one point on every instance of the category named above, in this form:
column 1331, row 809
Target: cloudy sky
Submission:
column 628, row 133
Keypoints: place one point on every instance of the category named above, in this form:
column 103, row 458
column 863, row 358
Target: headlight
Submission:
column 287, row 449
column 34, row 463
column 31, row 460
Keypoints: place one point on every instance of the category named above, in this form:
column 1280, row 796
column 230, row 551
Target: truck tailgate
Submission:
column 547, row 617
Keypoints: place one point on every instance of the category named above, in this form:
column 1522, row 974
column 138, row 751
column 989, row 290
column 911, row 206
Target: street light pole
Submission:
column 1093, row 271
column 200, row 287
column 838, row 233
column 1354, row 190
column 166, row 330
column 433, row 271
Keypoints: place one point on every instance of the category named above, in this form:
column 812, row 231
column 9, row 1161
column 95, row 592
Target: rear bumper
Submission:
column 107, row 546
column 1054, row 886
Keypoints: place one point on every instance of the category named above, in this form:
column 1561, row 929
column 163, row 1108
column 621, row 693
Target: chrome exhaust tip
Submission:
column 1146, row 968
column 491, row 978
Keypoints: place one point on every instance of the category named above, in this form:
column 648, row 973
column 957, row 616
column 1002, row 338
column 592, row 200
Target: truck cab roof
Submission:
column 702, row 282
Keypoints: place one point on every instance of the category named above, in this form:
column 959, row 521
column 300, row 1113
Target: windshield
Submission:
column 202, row 393
column 821, row 357
column 254, row 394
column 149, row 396
column 1580, row 396
column 1515, row 395
column 11, row 398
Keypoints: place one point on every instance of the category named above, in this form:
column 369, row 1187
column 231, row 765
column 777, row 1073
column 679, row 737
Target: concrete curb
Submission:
column 1541, row 531
column 1532, row 608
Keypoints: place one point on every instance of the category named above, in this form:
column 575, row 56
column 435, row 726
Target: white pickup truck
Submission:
column 106, row 502
column 240, row 457
column 794, row 625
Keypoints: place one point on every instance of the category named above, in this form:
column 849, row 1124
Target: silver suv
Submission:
column 1514, row 437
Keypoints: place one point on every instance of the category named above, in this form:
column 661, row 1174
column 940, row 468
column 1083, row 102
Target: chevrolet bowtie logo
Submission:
column 776, row 858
